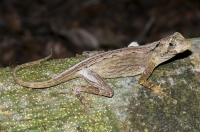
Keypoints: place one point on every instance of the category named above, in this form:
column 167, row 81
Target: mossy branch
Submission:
column 132, row 108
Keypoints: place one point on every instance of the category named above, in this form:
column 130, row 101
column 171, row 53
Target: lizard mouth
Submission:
column 180, row 49
column 186, row 47
column 168, row 55
column 189, row 45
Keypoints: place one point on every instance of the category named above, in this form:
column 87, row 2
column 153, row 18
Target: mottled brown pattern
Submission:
column 117, row 63
column 122, row 66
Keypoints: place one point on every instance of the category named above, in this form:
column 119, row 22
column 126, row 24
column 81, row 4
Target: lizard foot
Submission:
column 157, row 90
column 85, row 104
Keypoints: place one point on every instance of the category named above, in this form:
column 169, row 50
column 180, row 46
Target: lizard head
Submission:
column 171, row 45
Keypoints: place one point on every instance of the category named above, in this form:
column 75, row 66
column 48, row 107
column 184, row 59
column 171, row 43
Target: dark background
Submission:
column 30, row 28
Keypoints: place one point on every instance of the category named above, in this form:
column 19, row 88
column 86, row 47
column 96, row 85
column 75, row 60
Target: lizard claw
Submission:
column 159, row 91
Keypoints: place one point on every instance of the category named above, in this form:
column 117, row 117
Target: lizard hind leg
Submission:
column 98, row 87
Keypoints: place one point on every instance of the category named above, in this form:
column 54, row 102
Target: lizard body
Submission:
column 122, row 62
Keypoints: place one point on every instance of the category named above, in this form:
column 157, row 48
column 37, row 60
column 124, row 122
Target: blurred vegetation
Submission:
column 29, row 29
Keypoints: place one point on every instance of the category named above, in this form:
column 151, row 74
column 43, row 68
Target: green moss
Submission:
column 132, row 108
column 25, row 109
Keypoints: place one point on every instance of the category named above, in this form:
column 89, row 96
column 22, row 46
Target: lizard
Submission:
column 124, row 62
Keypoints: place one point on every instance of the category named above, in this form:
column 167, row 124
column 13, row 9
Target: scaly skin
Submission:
column 123, row 62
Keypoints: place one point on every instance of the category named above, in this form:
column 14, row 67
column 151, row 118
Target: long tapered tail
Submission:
column 54, row 81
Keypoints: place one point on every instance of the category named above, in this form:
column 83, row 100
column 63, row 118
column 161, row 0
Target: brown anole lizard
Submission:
column 123, row 62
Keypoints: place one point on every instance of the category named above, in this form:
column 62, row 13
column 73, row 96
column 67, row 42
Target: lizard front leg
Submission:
column 156, row 89
column 98, row 86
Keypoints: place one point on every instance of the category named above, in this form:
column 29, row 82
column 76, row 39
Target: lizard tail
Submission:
column 48, row 83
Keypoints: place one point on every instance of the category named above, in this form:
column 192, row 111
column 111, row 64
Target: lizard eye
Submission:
column 172, row 44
